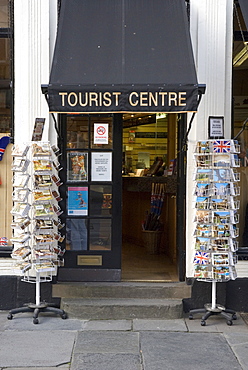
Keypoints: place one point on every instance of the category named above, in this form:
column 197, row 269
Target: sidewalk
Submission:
column 121, row 345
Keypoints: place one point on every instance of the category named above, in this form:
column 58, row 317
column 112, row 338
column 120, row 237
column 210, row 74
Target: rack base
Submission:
column 36, row 309
column 208, row 310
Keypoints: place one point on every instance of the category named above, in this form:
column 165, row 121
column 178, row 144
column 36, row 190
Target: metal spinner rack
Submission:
column 36, row 253
column 216, row 219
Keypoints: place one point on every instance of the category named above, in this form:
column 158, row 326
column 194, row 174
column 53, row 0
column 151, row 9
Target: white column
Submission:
column 211, row 32
column 31, row 67
column 52, row 33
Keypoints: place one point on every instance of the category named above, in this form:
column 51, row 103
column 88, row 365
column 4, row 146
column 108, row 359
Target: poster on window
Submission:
column 77, row 166
column 101, row 166
column 101, row 133
column 77, row 201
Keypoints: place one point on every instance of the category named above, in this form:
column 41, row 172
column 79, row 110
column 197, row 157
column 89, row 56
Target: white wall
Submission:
column 32, row 36
column 211, row 32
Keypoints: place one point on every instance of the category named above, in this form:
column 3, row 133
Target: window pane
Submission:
column 5, row 59
column 76, row 234
column 100, row 234
column 77, row 132
column 4, row 16
column 100, row 200
column 5, row 111
column 102, row 138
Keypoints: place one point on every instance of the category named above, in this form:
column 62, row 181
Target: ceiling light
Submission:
column 241, row 57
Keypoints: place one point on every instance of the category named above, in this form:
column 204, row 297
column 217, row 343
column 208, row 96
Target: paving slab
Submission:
column 103, row 361
column 239, row 345
column 33, row 349
column 62, row 367
column 117, row 325
column 158, row 325
column 217, row 324
column 46, row 322
column 107, row 342
column 190, row 351
column 3, row 320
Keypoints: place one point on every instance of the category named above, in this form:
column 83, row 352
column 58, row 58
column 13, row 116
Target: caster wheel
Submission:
column 35, row 321
column 10, row 316
column 234, row 316
column 64, row 316
column 229, row 322
column 203, row 323
column 190, row 317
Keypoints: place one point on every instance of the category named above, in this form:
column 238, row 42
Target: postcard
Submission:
column 202, row 189
column 234, row 217
column 203, row 230
column 203, row 147
column 221, row 146
column 235, row 160
column 202, row 203
column 221, row 244
column 203, row 216
column 234, row 231
column 220, row 259
column 221, row 272
column 221, row 217
column 202, row 272
column 234, row 189
column 201, row 258
column 203, row 160
column 204, row 175
column 221, row 189
column 219, row 204
column 42, row 180
column 234, row 245
column 222, row 175
column 220, row 160
column 202, row 244
column 235, row 176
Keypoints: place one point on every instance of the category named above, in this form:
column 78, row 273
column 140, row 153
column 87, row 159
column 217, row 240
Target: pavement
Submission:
column 136, row 344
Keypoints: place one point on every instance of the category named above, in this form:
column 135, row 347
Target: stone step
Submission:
column 122, row 290
column 122, row 308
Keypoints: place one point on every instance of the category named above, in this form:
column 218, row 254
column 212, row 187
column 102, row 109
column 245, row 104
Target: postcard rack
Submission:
column 216, row 218
column 36, row 254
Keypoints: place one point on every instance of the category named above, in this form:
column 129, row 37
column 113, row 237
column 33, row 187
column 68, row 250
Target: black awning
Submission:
column 244, row 8
column 122, row 56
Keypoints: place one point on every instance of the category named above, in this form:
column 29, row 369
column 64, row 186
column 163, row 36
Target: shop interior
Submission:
column 149, row 177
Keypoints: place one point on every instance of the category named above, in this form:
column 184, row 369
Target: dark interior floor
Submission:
column 138, row 265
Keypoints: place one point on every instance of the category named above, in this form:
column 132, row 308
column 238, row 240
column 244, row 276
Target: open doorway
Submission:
column 149, row 175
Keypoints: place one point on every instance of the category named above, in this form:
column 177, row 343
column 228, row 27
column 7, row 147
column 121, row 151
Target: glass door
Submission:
column 91, row 191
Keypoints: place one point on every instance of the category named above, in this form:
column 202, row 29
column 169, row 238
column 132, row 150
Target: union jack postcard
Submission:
column 222, row 146
column 201, row 258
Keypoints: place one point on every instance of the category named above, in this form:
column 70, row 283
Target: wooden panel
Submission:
column 6, row 193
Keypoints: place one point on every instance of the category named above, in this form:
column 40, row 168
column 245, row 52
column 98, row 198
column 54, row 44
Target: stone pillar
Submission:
column 32, row 21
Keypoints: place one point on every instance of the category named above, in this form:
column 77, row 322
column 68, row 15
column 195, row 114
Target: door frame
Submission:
column 110, row 270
